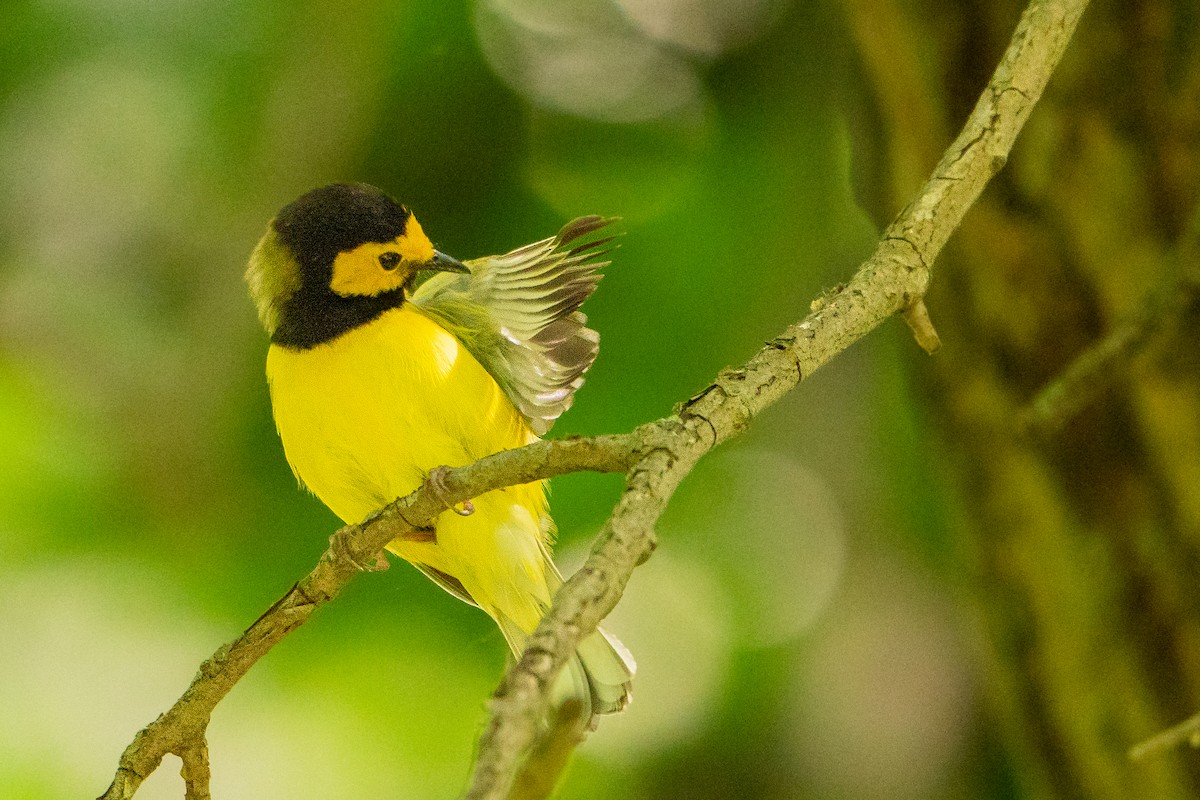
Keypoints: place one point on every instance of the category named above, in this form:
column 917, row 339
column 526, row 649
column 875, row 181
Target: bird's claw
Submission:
column 437, row 482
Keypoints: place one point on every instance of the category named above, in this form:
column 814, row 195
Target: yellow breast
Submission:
column 363, row 418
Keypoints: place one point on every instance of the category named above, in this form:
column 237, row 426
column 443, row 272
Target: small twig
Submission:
column 1108, row 361
column 1186, row 731
column 917, row 317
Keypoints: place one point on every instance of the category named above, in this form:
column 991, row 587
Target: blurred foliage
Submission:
column 794, row 633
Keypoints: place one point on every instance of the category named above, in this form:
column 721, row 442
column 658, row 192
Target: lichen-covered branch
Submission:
column 655, row 456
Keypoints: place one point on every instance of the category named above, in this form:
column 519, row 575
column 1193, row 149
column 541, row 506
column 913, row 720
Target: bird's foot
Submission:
column 437, row 482
column 421, row 536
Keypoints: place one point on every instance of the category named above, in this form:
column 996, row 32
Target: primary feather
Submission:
column 518, row 315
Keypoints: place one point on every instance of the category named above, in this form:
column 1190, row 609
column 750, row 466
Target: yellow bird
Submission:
column 376, row 381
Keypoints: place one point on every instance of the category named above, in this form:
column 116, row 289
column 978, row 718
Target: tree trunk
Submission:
column 1079, row 535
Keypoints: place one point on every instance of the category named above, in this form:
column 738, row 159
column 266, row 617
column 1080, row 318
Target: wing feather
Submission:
column 518, row 314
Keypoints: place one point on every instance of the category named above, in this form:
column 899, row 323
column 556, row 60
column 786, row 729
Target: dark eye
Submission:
column 389, row 260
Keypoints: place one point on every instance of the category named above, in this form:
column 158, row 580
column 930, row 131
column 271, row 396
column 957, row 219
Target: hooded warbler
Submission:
column 376, row 381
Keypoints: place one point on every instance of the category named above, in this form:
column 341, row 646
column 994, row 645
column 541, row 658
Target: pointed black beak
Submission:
column 444, row 263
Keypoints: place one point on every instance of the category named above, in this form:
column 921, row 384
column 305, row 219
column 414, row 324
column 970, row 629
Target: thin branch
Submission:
column 353, row 549
column 655, row 456
column 1106, row 362
column 895, row 276
column 1186, row 731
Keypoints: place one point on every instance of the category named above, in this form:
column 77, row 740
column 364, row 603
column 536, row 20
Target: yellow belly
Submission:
column 365, row 417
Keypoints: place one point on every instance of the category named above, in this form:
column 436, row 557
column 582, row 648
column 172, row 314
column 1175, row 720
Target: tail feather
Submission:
column 599, row 676
column 609, row 668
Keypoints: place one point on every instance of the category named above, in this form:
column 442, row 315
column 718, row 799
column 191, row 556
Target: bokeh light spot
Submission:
column 584, row 58
column 886, row 702
column 705, row 27
column 779, row 530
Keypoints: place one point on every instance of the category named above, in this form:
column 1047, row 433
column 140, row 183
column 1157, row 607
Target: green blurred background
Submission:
column 794, row 634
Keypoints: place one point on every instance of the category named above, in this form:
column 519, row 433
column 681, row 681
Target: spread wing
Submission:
column 518, row 314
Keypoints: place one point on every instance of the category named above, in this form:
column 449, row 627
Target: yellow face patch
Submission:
column 373, row 268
